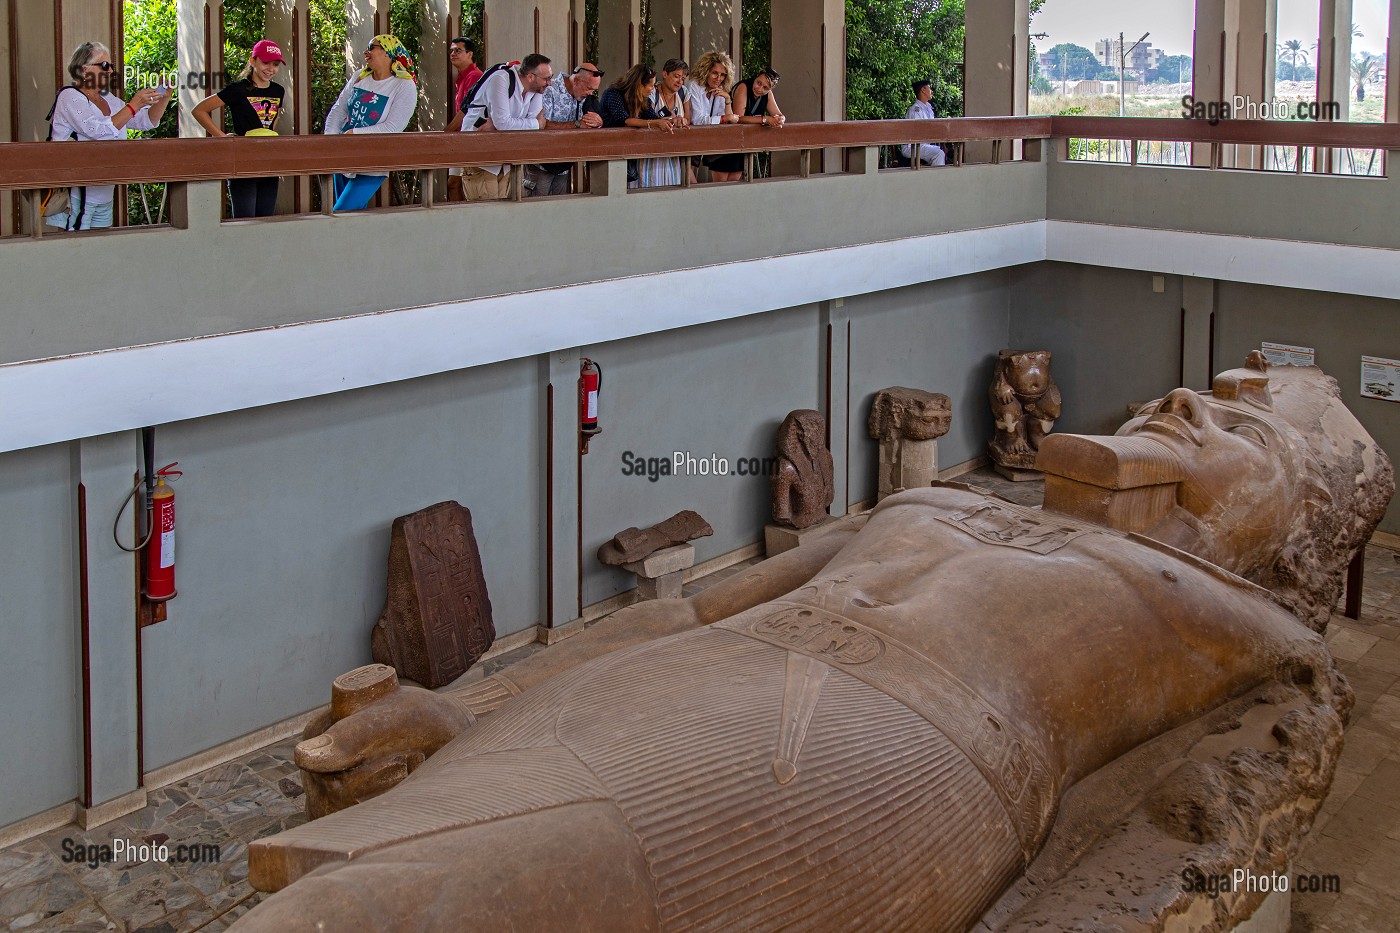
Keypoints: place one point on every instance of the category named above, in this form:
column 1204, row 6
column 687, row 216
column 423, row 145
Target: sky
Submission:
column 1085, row 22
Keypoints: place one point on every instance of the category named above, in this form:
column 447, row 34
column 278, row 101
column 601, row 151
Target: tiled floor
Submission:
column 1356, row 838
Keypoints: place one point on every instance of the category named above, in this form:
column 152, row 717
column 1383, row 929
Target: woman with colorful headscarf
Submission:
column 380, row 99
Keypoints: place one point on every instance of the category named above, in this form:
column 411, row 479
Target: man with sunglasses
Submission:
column 509, row 98
column 570, row 102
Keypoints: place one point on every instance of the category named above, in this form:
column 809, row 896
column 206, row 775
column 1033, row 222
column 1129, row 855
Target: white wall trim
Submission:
column 86, row 395
column 1326, row 267
column 53, row 400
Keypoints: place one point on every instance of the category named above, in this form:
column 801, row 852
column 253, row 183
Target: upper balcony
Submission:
column 462, row 284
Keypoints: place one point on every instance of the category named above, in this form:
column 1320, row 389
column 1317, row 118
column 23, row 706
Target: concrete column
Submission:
column 619, row 35
column 1233, row 55
column 434, row 73
column 1198, row 308
column 809, row 51
column 836, row 333
column 364, row 19
column 1392, row 73
column 9, row 214
column 1253, row 27
column 996, row 56
column 198, row 50
column 560, row 486
column 670, row 28
column 515, row 29
column 105, row 467
column 39, row 74
column 287, row 24
column 1334, row 70
column 716, row 25
column 1334, row 54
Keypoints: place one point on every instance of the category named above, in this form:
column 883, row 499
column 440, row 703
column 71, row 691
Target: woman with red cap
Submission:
column 254, row 102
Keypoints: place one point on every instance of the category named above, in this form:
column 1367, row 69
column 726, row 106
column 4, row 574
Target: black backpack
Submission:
column 469, row 100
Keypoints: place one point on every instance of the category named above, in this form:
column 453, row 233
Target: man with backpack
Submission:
column 506, row 97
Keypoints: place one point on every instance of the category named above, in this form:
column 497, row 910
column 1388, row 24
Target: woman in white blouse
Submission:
column 88, row 110
column 710, row 104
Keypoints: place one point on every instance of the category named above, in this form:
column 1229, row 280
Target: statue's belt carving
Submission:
column 1010, row 525
column 1006, row 757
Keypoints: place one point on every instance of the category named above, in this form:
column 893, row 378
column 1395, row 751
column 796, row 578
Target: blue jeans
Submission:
column 352, row 194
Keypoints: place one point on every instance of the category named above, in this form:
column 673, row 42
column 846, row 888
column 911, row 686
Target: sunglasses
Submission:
column 594, row 72
column 373, row 47
column 105, row 66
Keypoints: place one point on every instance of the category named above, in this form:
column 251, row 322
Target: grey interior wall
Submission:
column 1340, row 328
column 283, row 537
column 719, row 389
column 1112, row 339
column 417, row 257
column 40, row 720
column 941, row 337
column 1354, row 210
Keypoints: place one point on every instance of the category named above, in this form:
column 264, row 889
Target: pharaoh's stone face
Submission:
column 1239, row 490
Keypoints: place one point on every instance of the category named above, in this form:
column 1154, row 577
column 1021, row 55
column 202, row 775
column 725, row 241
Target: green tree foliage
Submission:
column 892, row 43
column 149, row 31
column 1173, row 69
column 244, row 25
column 1070, row 62
column 1364, row 67
column 756, row 45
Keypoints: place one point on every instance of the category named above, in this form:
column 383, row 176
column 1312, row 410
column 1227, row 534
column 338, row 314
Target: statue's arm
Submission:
column 378, row 745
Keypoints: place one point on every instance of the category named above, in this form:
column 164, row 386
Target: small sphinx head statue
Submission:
column 1267, row 475
column 909, row 413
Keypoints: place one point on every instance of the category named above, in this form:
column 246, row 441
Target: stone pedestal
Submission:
column 906, row 464
column 780, row 538
column 1018, row 474
column 660, row 573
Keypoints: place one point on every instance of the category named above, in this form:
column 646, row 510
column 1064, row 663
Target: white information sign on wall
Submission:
column 1285, row 354
column 1380, row 378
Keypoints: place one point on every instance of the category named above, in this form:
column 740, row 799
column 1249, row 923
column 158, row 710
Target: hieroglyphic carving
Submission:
column 1011, row 525
column 437, row 614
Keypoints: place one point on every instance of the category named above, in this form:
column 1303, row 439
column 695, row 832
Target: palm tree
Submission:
column 1364, row 67
column 1293, row 49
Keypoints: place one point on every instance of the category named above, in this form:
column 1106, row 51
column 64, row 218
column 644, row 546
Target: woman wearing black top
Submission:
column 254, row 101
column 753, row 101
column 628, row 103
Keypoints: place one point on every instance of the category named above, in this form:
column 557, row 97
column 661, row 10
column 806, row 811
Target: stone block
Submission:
column 664, row 561
column 779, row 538
column 666, row 586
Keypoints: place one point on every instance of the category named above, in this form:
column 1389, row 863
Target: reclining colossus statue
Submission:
column 955, row 711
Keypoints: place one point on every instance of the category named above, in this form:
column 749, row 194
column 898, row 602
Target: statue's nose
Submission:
column 1183, row 403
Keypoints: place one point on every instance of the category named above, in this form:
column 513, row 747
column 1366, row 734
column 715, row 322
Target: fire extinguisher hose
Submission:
column 164, row 473
column 116, row 522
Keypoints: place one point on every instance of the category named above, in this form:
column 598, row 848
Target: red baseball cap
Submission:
column 268, row 51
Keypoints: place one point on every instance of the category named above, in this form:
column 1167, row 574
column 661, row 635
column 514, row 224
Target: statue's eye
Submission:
column 1251, row 432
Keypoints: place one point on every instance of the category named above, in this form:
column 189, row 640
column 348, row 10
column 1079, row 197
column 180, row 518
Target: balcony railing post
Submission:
column 427, row 178
column 326, row 185
column 608, row 178
column 196, row 204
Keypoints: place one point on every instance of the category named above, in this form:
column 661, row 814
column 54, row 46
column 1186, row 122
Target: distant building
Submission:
column 1142, row 58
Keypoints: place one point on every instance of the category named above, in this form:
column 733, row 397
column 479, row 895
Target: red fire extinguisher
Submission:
column 160, row 546
column 590, row 383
